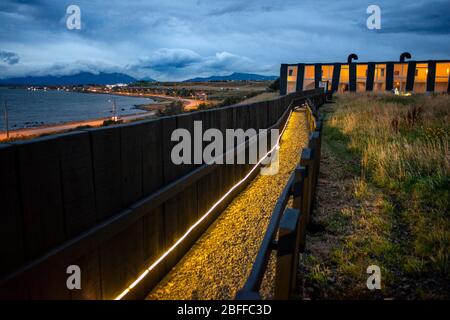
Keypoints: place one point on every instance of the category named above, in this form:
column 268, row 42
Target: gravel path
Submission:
column 218, row 264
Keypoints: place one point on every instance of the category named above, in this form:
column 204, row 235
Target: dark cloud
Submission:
column 428, row 18
column 166, row 59
column 231, row 8
column 179, row 39
column 8, row 57
column 166, row 64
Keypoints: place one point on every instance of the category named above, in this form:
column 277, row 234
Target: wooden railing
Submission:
column 111, row 201
column 286, row 232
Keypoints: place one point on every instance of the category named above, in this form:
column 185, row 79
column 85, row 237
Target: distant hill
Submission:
column 234, row 77
column 76, row 79
column 147, row 79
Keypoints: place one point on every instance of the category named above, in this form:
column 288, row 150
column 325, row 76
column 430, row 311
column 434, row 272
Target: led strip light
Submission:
column 165, row 254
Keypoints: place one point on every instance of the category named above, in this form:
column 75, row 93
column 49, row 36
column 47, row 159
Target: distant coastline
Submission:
column 50, row 107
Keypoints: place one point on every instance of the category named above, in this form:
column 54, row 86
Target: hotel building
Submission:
column 405, row 76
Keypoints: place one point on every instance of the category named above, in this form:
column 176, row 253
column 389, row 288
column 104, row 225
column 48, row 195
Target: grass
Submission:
column 395, row 153
column 404, row 146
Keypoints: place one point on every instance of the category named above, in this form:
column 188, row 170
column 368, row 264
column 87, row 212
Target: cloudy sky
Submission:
column 179, row 39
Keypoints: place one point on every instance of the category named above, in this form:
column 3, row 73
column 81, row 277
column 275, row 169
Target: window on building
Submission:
column 344, row 78
column 420, row 78
column 327, row 74
column 379, row 79
column 292, row 79
column 309, row 82
column 400, row 71
column 442, row 74
column 361, row 77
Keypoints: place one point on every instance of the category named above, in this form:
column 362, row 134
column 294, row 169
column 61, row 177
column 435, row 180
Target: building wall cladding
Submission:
column 409, row 76
column 370, row 76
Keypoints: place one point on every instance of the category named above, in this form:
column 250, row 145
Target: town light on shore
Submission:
column 165, row 254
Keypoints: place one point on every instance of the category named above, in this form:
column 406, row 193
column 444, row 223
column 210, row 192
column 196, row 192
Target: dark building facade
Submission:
column 405, row 76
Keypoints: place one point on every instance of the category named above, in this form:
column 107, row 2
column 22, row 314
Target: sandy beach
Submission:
column 29, row 132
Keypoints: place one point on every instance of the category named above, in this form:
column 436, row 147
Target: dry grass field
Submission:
column 384, row 199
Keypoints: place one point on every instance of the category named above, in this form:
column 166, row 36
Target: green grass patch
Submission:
column 397, row 149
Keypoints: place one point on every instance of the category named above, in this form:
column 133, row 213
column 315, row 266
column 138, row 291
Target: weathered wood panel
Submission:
column 153, row 235
column 41, row 194
column 180, row 212
column 131, row 162
column 122, row 258
column 206, row 197
column 91, row 279
column 186, row 121
column 12, row 249
column 77, row 182
column 153, row 246
column 106, row 152
column 152, row 160
column 171, row 171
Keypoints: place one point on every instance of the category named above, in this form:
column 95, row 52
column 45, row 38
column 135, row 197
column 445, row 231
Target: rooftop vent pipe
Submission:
column 405, row 55
column 351, row 57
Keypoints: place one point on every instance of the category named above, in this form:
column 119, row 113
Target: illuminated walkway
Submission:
column 218, row 264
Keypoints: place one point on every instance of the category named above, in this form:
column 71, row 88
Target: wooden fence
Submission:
column 111, row 201
column 286, row 231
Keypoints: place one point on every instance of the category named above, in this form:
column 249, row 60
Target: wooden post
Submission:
column 319, row 125
column 314, row 144
column 287, row 254
column 319, row 151
column 306, row 161
column 248, row 295
column 297, row 192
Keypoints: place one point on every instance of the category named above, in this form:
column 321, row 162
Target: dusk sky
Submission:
column 176, row 40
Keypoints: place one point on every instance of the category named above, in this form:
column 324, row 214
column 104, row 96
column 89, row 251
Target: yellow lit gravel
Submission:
column 220, row 261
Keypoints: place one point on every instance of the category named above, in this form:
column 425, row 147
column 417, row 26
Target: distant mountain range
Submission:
column 234, row 77
column 103, row 78
column 76, row 79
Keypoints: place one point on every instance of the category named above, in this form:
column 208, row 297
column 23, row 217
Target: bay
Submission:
column 27, row 108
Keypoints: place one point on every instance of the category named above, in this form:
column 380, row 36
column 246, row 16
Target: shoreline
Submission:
column 151, row 110
column 66, row 126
